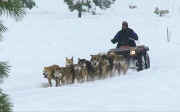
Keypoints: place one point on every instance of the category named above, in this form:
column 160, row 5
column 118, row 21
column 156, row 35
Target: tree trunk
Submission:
column 80, row 9
column 79, row 13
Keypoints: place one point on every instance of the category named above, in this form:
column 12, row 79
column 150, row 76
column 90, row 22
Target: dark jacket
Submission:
column 125, row 37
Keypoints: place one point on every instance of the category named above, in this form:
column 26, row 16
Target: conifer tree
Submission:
column 79, row 5
column 29, row 4
column 103, row 4
column 14, row 9
column 88, row 6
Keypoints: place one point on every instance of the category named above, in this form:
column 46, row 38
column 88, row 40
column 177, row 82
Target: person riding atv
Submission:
column 127, row 37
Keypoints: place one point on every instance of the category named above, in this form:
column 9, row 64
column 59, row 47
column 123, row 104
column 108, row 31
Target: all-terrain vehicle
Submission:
column 137, row 57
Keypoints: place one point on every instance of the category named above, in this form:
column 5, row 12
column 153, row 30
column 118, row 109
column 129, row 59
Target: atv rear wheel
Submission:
column 147, row 61
column 144, row 62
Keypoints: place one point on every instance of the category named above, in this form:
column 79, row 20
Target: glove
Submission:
column 131, row 38
column 113, row 41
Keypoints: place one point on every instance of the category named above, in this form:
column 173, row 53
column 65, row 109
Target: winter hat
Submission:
column 125, row 23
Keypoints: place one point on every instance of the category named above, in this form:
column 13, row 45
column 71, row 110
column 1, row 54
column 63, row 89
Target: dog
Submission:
column 58, row 77
column 69, row 62
column 68, row 75
column 48, row 73
column 119, row 63
column 78, row 73
column 96, row 63
column 87, row 69
column 106, row 65
column 103, row 65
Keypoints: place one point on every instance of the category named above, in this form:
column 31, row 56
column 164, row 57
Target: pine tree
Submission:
column 80, row 6
column 88, row 6
column 103, row 4
column 29, row 4
column 14, row 9
column 5, row 105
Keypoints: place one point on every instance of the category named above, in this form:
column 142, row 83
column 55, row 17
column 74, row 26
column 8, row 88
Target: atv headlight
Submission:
column 112, row 53
column 133, row 52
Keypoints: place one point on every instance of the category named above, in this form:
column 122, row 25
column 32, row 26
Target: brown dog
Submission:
column 103, row 65
column 69, row 62
column 119, row 63
column 48, row 73
column 68, row 75
column 78, row 73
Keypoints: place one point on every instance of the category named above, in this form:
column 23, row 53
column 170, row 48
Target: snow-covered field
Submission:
column 50, row 33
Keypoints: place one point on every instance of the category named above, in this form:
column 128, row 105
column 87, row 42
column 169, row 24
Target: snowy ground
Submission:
column 50, row 33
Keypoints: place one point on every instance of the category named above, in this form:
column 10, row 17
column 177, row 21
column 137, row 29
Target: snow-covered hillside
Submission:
column 50, row 33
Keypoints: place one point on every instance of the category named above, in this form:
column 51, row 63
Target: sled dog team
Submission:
column 100, row 66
